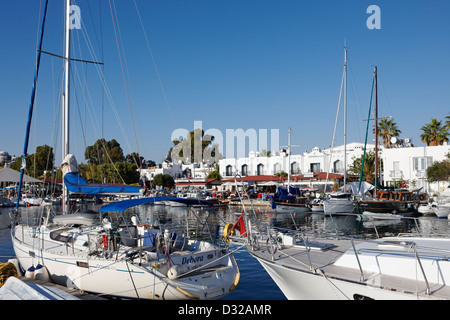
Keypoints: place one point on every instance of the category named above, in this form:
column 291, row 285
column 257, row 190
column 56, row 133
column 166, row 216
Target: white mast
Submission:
column 66, row 98
column 289, row 159
column 345, row 120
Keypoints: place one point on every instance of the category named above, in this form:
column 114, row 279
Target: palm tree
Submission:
column 434, row 133
column 447, row 123
column 386, row 130
column 369, row 167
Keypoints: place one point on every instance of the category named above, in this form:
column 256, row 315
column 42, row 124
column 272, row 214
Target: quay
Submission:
column 75, row 293
column 257, row 203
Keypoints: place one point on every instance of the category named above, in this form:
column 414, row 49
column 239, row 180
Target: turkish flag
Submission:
column 240, row 226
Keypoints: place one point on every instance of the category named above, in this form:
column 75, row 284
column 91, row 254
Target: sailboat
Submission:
column 110, row 253
column 341, row 203
column 386, row 203
column 291, row 199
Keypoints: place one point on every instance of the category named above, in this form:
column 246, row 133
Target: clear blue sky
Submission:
column 260, row 64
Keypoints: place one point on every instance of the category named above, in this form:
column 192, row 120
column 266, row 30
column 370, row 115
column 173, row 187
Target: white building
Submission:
column 315, row 161
column 410, row 165
column 403, row 164
column 175, row 170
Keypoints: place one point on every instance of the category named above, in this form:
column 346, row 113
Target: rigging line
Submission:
column 334, row 131
column 354, row 94
column 105, row 86
column 106, row 89
column 156, row 68
column 71, row 59
column 122, row 68
column 385, row 95
column 109, row 158
column 139, row 165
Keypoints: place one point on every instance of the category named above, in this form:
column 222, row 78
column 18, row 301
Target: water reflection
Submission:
column 193, row 221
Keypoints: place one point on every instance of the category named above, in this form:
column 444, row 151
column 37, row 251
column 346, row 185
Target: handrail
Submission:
column 357, row 259
column 428, row 290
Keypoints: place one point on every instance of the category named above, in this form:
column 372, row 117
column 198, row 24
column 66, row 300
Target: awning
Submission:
column 76, row 184
column 10, row 175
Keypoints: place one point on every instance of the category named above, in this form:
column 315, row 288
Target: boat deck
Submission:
column 322, row 256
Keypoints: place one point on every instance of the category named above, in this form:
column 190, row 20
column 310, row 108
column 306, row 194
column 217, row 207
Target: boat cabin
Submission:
column 401, row 195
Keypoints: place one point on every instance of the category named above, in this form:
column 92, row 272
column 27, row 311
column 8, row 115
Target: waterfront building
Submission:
column 403, row 165
column 192, row 185
column 409, row 166
column 174, row 169
column 309, row 162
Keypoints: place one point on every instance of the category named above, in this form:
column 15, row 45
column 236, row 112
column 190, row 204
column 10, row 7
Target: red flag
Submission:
column 240, row 226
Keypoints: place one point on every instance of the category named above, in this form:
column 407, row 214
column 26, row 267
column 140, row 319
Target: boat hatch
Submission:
column 397, row 244
column 314, row 246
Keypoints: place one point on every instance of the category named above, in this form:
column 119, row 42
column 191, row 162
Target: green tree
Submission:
column 191, row 149
column 439, row 171
column 281, row 174
column 134, row 157
column 387, row 129
column 103, row 151
column 369, row 167
column 42, row 160
column 434, row 133
column 163, row 180
column 214, row 175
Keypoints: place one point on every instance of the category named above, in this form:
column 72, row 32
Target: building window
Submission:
column 260, row 169
column 315, row 167
column 229, row 170
column 338, row 166
column 276, row 168
column 295, row 168
column 244, row 170
column 422, row 163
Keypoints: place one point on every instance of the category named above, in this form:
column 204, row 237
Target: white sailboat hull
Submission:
column 338, row 206
column 298, row 285
column 121, row 277
column 442, row 211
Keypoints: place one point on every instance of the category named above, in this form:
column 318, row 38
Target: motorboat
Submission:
column 441, row 206
column 338, row 203
column 30, row 199
column 5, row 202
column 290, row 200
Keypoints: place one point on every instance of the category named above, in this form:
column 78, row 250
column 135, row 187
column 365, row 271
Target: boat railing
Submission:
column 272, row 236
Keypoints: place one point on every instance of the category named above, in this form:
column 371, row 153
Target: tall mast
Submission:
column 66, row 98
column 289, row 159
column 376, row 132
column 345, row 120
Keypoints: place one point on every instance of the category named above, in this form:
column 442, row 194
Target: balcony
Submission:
column 396, row 174
column 421, row 174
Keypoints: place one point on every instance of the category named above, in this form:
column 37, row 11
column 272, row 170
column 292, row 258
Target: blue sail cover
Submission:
column 121, row 206
column 76, row 184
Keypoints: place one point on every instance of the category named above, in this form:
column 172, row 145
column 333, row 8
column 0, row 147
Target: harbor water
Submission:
column 255, row 283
